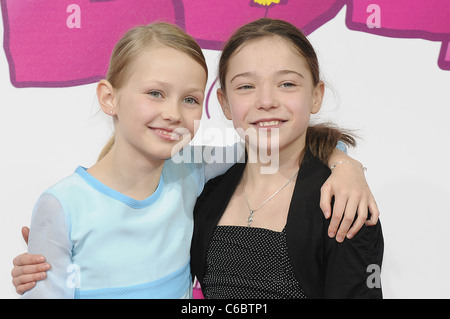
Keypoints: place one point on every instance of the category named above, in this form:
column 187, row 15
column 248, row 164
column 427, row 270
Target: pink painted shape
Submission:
column 447, row 56
column 427, row 16
column 43, row 51
column 444, row 59
column 219, row 18
column 425, row 19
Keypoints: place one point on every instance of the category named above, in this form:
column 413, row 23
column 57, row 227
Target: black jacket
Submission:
column 323, row 267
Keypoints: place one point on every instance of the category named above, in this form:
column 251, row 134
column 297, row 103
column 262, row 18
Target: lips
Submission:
column 268, row 123
column 166, row 134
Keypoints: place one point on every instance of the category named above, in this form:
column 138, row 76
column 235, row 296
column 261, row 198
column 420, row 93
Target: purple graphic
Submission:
column 57, row 43
column 221, row 18
column 425, row 19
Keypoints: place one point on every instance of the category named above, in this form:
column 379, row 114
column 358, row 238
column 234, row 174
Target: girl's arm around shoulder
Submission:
column 49, row 236
column 352, row 197
column 218, row 159
column 353, row 267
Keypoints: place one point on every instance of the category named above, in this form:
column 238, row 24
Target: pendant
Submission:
column 250, row 218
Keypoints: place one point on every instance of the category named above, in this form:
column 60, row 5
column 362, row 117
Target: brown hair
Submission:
column 321, row 139
column 139, row 39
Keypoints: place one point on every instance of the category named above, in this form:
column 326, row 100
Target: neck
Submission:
column 283, row 164
column 131, row 175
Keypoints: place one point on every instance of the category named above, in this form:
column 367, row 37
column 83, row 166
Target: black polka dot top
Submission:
column 249, row 263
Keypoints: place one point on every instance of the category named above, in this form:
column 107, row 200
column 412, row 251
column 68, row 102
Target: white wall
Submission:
column 390, row 89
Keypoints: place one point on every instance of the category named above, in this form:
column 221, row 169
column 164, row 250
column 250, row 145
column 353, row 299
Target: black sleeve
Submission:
column 352, row 268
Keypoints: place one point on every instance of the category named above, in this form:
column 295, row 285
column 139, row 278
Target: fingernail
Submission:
column 41, row 259
column 339, row 238
column 349, row 236
column 331, row 234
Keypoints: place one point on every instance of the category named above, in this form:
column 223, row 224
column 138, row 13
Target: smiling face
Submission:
column 269, row 89
column 156, row 109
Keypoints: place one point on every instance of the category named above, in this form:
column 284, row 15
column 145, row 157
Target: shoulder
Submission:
column 53, row 202
column 216, row 194
column 61, row 190
column 184, row 172
column 306, row 197
column 313, row 169
column 67, row 184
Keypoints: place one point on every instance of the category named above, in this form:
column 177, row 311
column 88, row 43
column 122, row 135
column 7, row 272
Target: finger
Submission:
column 25, row 233
column 26, row 282
column 347, row 220
column 28, row 259
column 18, row 271
column 25, row 287
column 338, row 211
column 360, row 220
column 25, row 279
column 325, row 200
column 374, row 213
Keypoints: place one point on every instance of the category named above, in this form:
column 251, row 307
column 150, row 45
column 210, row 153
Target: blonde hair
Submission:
column 136, row 41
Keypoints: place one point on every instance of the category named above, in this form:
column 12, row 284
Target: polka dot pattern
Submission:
column 249, row 263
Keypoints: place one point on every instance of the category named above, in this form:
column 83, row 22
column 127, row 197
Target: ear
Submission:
column 223, row 101
column 106, row 97
column 318, row 93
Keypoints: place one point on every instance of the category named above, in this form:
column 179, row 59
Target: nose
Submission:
column 266, row 98
column 171, row 112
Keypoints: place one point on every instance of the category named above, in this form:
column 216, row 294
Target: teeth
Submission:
column 172, row 135
column 270, row 123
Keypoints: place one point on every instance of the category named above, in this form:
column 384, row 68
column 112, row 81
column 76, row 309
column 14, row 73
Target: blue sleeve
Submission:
column 218, row 160
column 342, row 147
column 49, row 236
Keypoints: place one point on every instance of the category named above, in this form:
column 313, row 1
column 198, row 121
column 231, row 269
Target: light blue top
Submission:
column 104, row 244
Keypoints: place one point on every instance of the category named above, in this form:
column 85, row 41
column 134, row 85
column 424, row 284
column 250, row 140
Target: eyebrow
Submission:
column 245, row 74
column 170, row 85
column 281, row 72
column 288, row 72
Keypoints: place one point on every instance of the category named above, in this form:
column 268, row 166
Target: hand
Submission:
column 28, row 268
column 352, row 195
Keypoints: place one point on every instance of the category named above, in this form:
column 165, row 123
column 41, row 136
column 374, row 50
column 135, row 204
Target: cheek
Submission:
column 301, row 106
column 238, row 113
column 137, row 109
column 192, row 120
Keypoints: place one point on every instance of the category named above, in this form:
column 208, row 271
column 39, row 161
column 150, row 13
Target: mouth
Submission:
column 268, row 123
column 166, row 134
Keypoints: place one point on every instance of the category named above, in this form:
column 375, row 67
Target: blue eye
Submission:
column 245, row 87
column 287, row 84
column 156, row 94
column 190, row 100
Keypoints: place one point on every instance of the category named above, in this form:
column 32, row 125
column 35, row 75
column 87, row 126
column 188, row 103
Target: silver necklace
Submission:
column 252, row 211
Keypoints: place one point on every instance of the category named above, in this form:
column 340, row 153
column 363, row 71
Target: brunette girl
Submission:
column 262, row 235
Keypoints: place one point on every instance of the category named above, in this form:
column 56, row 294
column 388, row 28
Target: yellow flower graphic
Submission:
column 266, row 2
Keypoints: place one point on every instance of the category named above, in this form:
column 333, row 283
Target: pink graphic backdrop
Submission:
column 45, row 49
